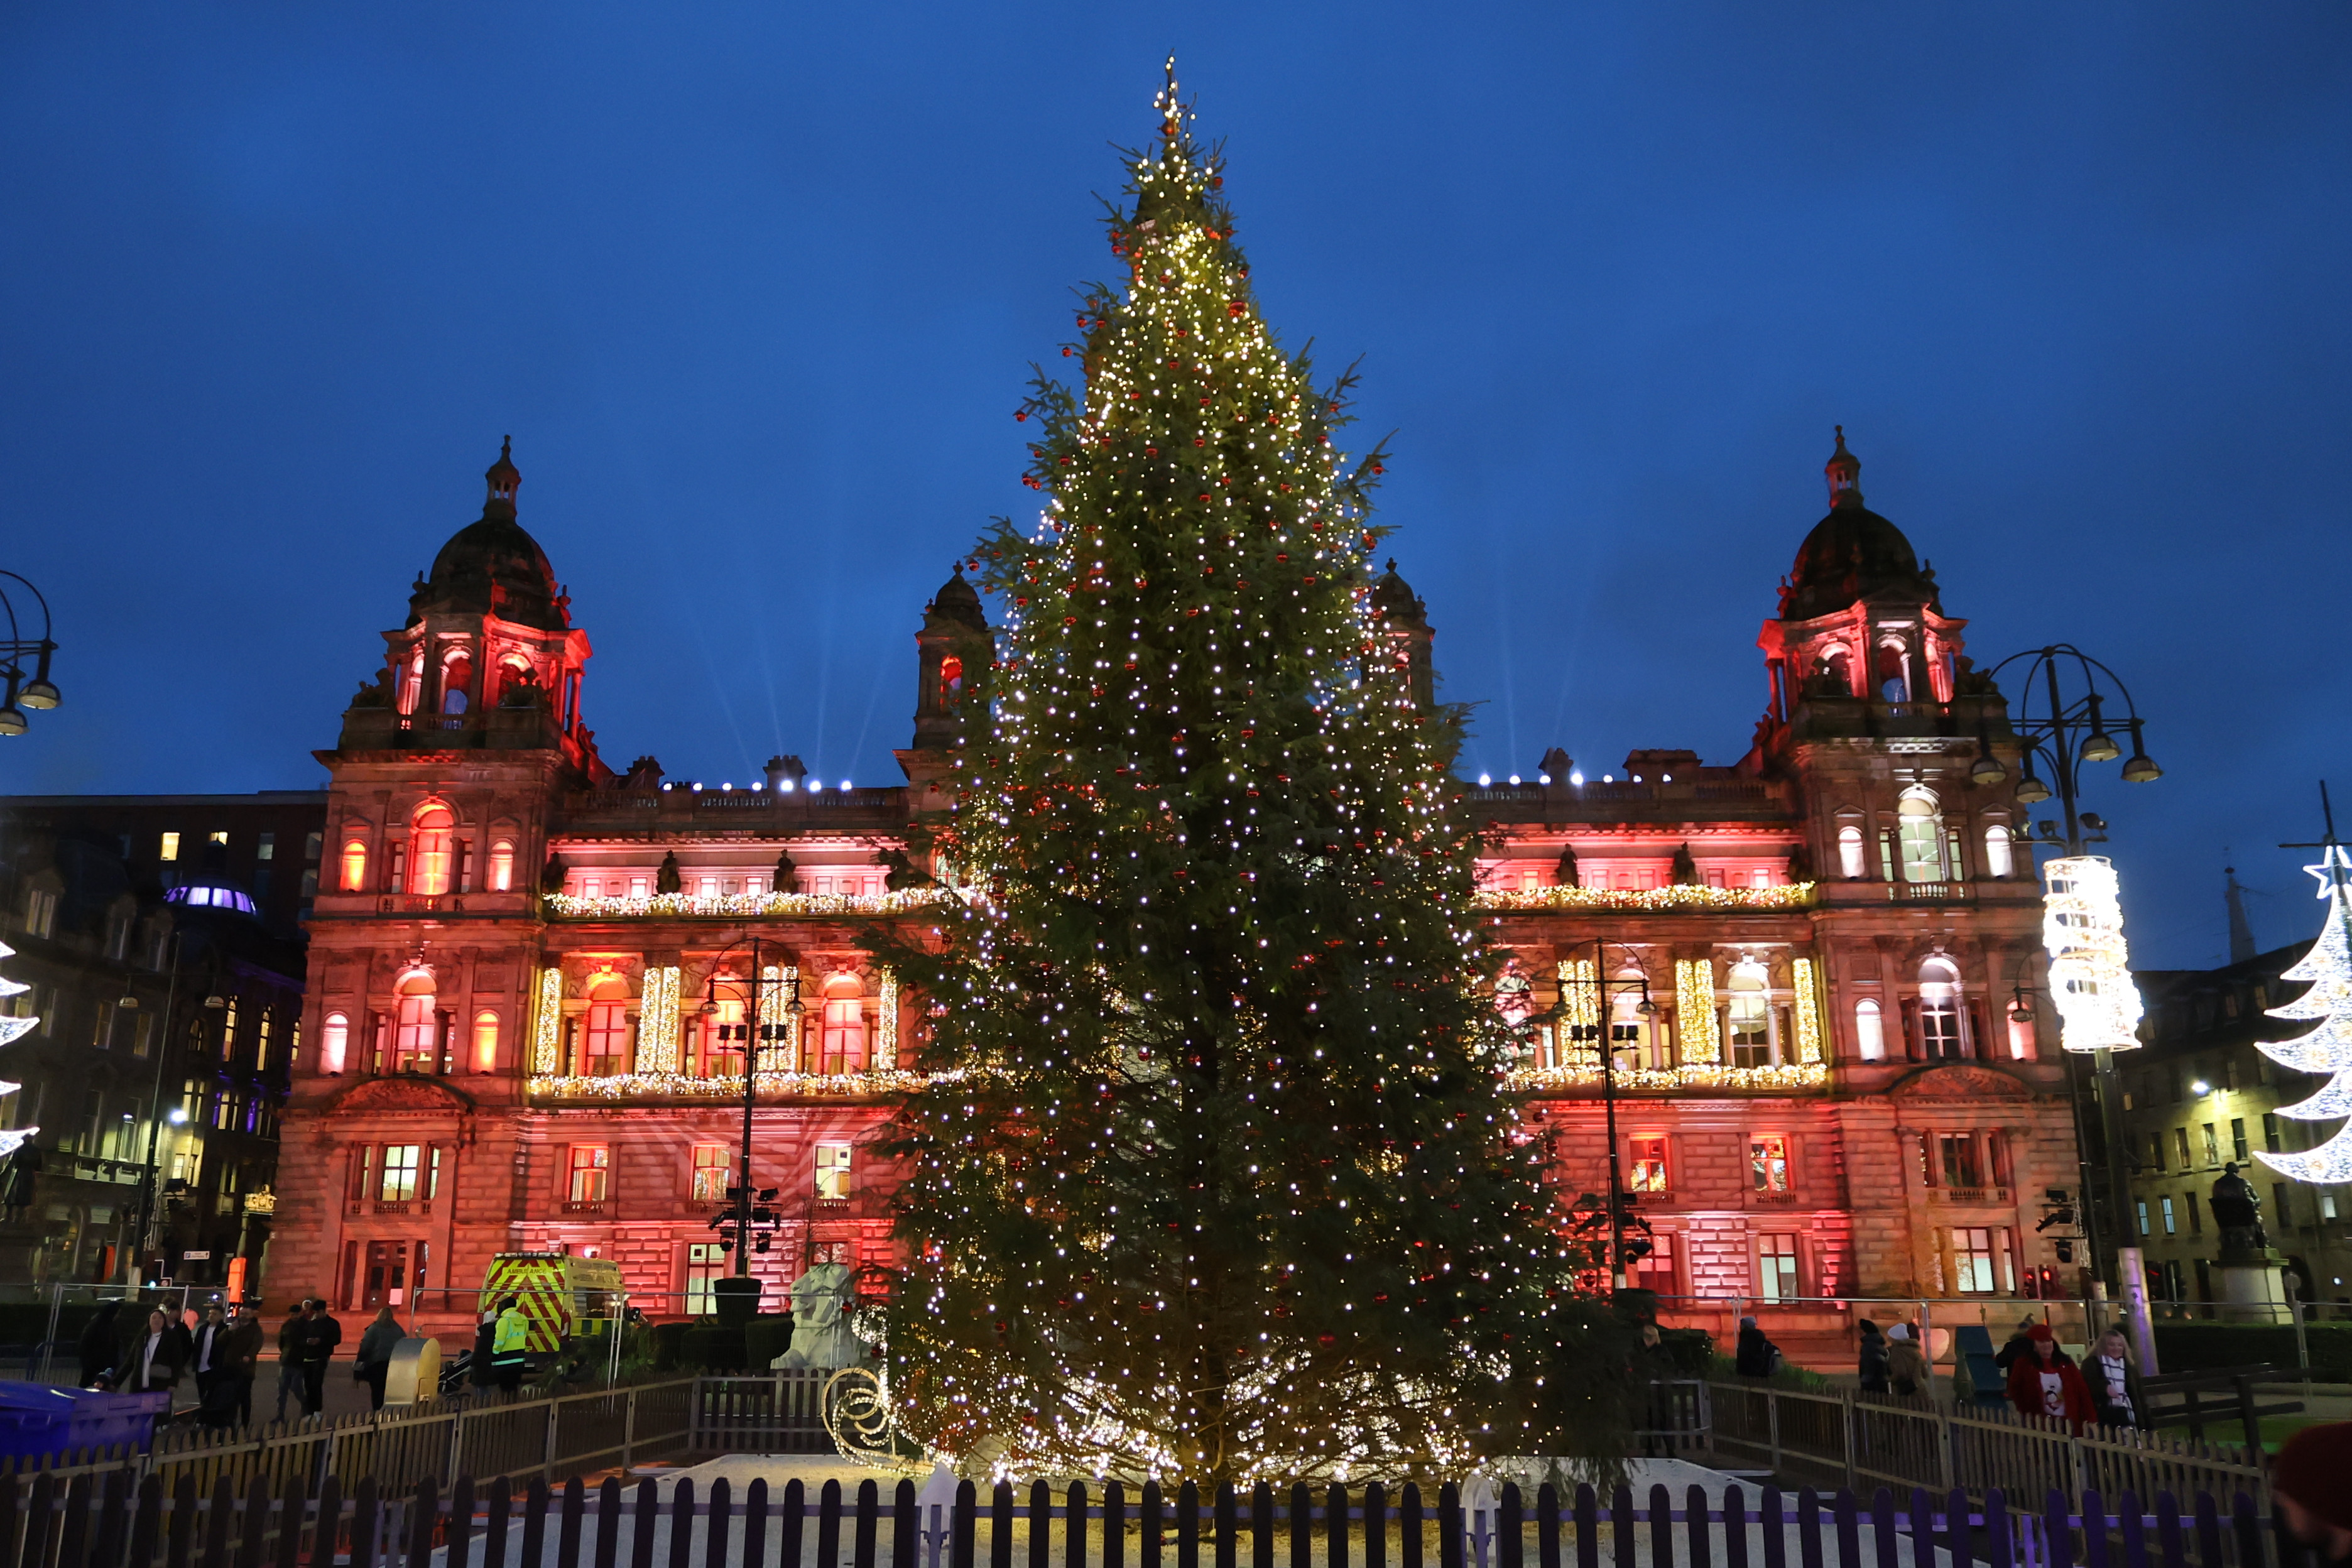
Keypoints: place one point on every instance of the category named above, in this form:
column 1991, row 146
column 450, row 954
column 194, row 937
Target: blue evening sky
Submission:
column 755, row 288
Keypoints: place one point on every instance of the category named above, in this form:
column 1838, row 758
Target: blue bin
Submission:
column 37, row 1419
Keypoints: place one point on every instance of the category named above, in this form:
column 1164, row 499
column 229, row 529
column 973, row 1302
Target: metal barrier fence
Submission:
column 396, row 1449
column 1853, row 1440
column 780, row 1412
column 118, row 1520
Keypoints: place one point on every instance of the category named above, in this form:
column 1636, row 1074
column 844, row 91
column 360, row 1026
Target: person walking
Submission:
column 290, row 1364
column 1906, row 1364
column 486, row 1337
column 510, row 1343
column 1871, row 1363
column 374, row 1355
column 98, row 1344
column 1754, row 1355
column 315, row 1339
column 153, row 1360
column 2048, row 1384
column 209, row 1360
column 2108, row 1372
column 240, row 1356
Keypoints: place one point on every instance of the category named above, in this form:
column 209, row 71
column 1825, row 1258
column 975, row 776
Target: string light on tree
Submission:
column 1228, row 1186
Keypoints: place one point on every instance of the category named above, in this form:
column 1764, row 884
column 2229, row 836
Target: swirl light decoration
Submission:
column 2090, row 967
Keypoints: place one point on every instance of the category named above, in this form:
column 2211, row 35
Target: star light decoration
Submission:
column 1219, row 999
column 2090, row 967
column 13, row 1028
column 2329, row 1047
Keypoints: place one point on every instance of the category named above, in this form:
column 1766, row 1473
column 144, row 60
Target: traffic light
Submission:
column 2066, row 1250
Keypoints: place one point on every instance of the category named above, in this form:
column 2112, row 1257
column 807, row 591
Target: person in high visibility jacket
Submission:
column 507, row 1345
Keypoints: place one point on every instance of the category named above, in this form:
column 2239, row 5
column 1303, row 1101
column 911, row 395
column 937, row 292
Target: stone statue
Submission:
column 372, row 694
column 2238, row 1212
column 821, row 1333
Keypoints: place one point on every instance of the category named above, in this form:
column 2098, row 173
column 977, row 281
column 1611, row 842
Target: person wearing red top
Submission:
column 2046, row 1383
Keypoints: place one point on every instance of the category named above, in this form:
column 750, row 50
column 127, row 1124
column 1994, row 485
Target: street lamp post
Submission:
column 754, row 1035
column 2064, row 733
column 140, row 1244
column 1597, row 1032
column 26, row 689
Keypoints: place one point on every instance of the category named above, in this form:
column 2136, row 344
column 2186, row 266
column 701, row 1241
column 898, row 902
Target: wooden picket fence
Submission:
column 1856, row 1440
column 117, row 1518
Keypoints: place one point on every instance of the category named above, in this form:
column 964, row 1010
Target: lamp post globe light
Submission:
column 30, row 687
column 2065, row 719
column 771, row 1007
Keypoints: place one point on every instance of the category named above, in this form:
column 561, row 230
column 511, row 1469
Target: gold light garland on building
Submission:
column 1579, row 999
column 1695, row 1024
column 778, row 981
column 672, row 906
column 658, row 1020
column 547, row 1021
column 886, row 1021
column 1795, row 896
column 1808, row 1010
column 650, row 1086
column 1586, row 1077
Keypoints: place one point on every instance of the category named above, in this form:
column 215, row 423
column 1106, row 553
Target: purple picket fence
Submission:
column 119, row 1520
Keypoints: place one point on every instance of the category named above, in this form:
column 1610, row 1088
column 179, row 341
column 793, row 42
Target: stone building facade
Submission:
column 532, row 974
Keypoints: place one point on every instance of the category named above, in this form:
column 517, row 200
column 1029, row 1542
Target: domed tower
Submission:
column 1406, row 621
column 953, row 650
column 490, row 657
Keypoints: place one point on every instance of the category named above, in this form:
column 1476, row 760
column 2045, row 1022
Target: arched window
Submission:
column 456, row 681
column 1919, row 836
column 1749, row 1016
column 1841, row 669
column 1998, row 862
column 1892, row 686
column 605, row 1044
column 431, row 847
column 1850, row 862
column 950, row 678
column 486, row 1042
column 1940, row 1037
column 841, row 1046
column 355, row 866
column 723, row 1035
column 1869, row 1030
column 416, row 1031
column 1631, row 1035
column 502, row 866
column 334, row 1043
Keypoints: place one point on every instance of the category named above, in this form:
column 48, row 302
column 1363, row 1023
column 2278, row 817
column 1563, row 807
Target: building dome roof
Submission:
column 959, row 601
column 1394, row 600
column 1851, row 554
column 493, row 564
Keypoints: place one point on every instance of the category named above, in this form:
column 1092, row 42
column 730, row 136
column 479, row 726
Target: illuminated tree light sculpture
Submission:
column 13, row 1028
column 2329, row 1047
column 2090, row 967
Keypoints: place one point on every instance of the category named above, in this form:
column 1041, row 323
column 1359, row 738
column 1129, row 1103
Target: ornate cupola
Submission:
column 489, row 657
column 1404, row 619
column 953, row 649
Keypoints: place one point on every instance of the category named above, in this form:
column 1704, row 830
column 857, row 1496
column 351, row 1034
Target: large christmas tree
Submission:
column 1216, row 1178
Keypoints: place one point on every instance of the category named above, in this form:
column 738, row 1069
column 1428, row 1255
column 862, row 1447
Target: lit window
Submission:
column 311, row 843
column 706, row 1263
column 171, row 847
column 1939, row 1011
column 218, row 835
column 416, row 1046
column 951, row 677
column 432, row 844
column 833, row 1170
column 1869, row 1030
column 1919, row 834
column 1850, row 852
column 261, row 1045
column 589, row 1172
column 1655, row 1270
column 1776, row 1267
column 40, row 913
column 501, row 866
column 397, row 1183
column 1961, row 1168
column 604, row 1043
column 2143, row 1232
column 2172, row 1224
column 334, row 1040
column 1630, row 1037
column 841, row 1046
column 1976, row 1271
column 1649, row 1173
column 486, row 1042
column 712, row 1169
column 457, row 679
column 1750, row 1014
column 267, row 849
column 1768, row 1163
column 1998, row 862
column 355, row 867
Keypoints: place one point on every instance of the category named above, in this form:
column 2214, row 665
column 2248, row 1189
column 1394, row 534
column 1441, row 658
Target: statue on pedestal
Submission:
column 2238, row 1211
column 822, row 1336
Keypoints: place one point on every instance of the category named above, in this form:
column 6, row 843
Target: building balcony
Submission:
column 358, row 1207
column 1970, row 1195
column 584, row 1208
column 1772, row 1200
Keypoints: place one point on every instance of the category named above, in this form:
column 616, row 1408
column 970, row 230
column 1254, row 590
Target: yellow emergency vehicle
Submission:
column 563, row 1298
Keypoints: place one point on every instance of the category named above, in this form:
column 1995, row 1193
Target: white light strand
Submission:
column 2328, row 1048
column 2090, row 966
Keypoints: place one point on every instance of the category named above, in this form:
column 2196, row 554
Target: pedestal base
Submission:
column 2252, row 1291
